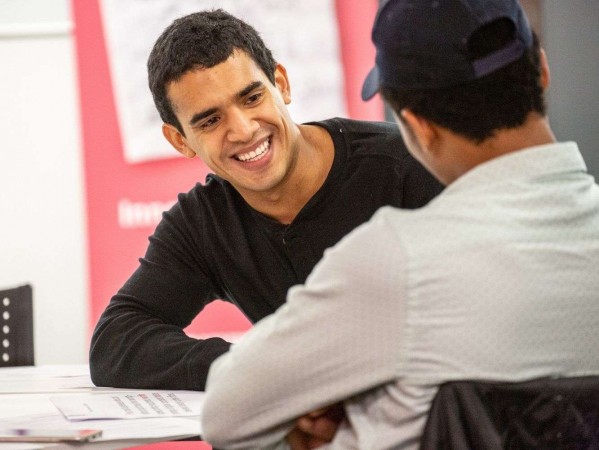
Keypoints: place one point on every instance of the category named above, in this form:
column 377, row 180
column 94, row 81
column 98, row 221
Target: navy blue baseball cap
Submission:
column 423, row 44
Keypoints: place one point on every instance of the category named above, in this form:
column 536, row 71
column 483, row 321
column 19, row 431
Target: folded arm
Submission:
column 139, row 340
column 334, row 338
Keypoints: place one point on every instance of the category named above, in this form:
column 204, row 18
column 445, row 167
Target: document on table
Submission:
column 129, row 404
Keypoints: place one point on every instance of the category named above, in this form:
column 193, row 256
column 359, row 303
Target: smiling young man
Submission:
column 280, row 194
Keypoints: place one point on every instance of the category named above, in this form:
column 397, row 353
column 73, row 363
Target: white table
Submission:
column 25, row 401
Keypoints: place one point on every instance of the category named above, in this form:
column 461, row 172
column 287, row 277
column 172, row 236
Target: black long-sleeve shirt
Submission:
column 213, row 245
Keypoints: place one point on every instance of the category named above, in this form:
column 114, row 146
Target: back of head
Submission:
column 472, row 66
column 198, row 41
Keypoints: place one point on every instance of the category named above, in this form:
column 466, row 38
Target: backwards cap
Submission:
column 423, row 44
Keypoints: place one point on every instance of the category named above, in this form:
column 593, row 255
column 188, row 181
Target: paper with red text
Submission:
column 133, row 404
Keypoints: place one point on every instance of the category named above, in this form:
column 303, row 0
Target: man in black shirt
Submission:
column 280, row 194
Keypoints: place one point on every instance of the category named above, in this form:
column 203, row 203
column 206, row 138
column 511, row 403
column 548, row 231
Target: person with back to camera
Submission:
column 493, row 280
column 280, row 194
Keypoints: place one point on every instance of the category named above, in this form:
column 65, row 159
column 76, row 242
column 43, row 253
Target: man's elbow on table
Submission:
column 223, row 424
column 231, row 418
column 222, row 421
column 100, row 369
column 214, row 422
column 223, row 427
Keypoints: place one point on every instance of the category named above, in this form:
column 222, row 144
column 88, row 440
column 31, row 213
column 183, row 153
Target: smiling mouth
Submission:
column 256, row 154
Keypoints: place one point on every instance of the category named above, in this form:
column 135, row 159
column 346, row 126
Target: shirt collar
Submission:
column 530, row 162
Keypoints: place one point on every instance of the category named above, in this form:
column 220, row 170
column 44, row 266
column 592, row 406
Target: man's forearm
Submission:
column 136, row 352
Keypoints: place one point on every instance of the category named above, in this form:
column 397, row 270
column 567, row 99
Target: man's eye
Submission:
column 254, row 98
column 210, row 122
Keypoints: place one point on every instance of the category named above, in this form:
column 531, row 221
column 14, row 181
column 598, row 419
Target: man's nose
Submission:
column 241, row 126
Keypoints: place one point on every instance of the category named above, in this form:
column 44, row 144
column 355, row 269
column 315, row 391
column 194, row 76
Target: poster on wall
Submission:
column 307, row 44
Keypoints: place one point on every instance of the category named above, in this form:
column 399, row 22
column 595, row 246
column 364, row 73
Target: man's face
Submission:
column 237, row 122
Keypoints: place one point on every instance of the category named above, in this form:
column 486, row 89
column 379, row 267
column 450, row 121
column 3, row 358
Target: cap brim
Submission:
column 371, row 84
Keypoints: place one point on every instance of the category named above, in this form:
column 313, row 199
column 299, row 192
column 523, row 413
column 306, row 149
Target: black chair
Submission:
column 541, row 414
column 16, row 326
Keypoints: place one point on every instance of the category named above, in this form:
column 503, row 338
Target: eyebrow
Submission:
column 199, row 116
column 249, row 88
column 208, row 112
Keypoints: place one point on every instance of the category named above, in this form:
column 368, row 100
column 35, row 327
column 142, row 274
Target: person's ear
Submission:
column 545, row 74
column 282, row 83
column 424, row 131
column 177, row 140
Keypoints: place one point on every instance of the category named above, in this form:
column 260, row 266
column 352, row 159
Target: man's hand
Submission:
column 316, row 428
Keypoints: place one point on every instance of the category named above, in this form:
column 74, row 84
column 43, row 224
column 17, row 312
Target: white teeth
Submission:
column 255, row 155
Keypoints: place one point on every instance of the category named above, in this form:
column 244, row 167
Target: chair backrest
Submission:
column 547, row 414
column 16, row 326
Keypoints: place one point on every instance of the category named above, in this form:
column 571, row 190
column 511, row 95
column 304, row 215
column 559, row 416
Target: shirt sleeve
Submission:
column 139, row 340
column 336, row 336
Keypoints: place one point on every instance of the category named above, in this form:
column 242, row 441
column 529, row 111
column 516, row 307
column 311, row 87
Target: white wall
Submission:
column 42, row 222
column 571, row 35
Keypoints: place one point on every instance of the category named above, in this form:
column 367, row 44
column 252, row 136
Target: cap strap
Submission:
column 498, row 59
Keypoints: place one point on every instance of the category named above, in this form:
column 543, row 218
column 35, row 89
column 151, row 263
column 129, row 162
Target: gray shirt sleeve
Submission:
column 336, row 336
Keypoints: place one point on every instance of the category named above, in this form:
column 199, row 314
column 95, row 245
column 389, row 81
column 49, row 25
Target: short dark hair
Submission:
column 500, row 100
column 200, row 40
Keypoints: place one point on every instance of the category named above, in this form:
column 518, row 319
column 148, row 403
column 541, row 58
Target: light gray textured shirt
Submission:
column 497, row 279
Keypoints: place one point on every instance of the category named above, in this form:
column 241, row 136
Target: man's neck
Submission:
column 535, row 131
column 315, row 158
column 466, row 155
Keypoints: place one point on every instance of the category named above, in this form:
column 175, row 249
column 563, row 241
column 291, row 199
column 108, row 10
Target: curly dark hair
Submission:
column 200, row 40
column 477, row 109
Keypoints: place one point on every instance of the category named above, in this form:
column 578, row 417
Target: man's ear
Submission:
column 545, row 74
column 177, row 140
column 424, row 131
column 282, row 83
